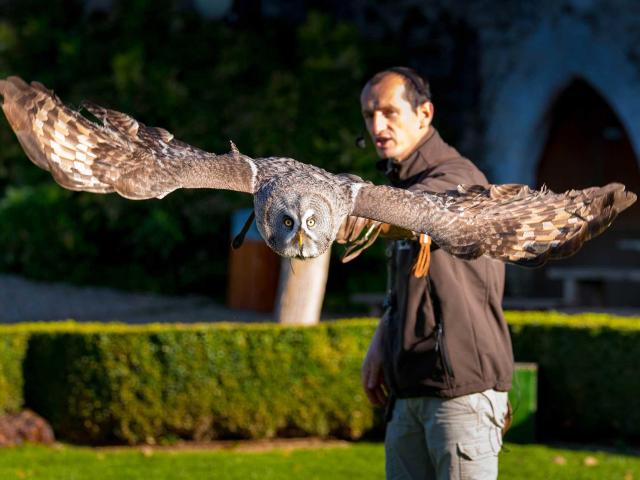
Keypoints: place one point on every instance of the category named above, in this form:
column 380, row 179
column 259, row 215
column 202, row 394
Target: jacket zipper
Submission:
column 441, row 347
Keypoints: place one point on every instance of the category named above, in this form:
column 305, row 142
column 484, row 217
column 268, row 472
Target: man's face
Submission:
column 395, row 127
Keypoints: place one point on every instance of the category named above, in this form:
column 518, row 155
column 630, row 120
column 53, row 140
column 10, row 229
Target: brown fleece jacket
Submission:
column 445, row 333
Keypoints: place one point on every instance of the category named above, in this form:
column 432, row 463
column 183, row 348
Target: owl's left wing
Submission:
column 512, row 223
column 120, row 155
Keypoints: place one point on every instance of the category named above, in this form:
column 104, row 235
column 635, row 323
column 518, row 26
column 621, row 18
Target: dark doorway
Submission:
column 587, row 145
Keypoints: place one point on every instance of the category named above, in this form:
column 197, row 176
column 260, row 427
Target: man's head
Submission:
column 397, row 109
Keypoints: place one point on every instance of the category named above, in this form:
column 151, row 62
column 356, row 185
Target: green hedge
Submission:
column 104, row 383
column 100, row 384
column 13, row 346
column 588, row 380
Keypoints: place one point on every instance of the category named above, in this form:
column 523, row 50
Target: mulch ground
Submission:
column 235, row 445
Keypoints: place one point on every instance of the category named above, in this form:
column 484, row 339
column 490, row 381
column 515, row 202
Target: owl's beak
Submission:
column 300, row 236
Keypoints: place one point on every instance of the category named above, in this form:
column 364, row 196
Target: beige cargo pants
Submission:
column 441, row 439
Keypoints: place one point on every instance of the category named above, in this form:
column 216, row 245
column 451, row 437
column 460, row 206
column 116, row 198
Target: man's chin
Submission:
column 385, row 153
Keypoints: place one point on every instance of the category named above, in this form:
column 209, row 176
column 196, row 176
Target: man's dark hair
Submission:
column 416, row 88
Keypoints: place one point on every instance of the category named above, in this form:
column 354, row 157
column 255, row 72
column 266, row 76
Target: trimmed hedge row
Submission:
column 13, row 347
column 100, row 383
column 588, row 377
column 14, row 342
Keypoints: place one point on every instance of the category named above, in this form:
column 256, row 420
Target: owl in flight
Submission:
column 299, row 207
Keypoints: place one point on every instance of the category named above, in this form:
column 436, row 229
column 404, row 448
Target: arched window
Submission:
column 587, row 145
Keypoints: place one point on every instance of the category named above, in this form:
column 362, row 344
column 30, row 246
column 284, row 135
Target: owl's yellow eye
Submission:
column 288, row 222
column 311, row 222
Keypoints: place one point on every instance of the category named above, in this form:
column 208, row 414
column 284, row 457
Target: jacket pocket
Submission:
column 415, row 368
column 425, row 321
column 424, row 364
column 441, row 347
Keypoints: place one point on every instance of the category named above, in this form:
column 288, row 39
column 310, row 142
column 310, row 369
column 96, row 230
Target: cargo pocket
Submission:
column 478, row 460
column 499, row 402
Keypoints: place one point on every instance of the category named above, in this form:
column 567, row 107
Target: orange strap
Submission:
column 421, row 267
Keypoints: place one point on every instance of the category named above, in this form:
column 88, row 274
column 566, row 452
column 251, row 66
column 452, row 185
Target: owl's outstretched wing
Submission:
column 512, row 223
column 121, row 155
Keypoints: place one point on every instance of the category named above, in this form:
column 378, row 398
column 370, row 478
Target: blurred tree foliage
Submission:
column 274, row 88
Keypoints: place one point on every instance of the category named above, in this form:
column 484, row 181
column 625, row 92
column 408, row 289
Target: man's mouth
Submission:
column 383, row 142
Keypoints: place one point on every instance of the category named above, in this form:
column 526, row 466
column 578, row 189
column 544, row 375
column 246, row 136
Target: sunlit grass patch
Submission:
column 333, row 462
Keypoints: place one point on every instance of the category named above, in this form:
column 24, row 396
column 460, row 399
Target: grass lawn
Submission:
column 350, row 462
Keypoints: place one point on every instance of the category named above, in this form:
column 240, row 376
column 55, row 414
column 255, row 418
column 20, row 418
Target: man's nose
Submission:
column 378, row 123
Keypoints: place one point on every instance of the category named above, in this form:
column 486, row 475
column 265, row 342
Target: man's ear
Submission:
column 425, row 112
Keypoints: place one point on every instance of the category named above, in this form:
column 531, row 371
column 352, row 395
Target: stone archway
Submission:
column 530, row 128
column 517, row 100
column 587, row 145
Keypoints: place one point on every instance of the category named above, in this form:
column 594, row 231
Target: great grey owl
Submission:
column 299, row 207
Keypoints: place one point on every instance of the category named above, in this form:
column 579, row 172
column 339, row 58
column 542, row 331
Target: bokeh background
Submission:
column 533, row 92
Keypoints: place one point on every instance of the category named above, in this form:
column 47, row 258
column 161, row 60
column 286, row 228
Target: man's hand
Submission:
column 372, row 374
column 373, row 379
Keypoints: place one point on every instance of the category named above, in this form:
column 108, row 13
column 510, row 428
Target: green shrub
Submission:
column 102, row 383
column 589, row 384
column 13, row 346
column 140, row 384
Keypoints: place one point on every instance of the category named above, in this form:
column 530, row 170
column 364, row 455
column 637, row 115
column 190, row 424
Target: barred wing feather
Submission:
column 512, row 223
column 121, row 155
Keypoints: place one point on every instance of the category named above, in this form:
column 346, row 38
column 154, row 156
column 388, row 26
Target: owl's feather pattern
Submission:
column 529, row 227
column 512, row 223
column 123, row 155
column 508, row 222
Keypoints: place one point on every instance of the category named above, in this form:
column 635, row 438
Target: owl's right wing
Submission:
column 121, row 155
column 512, row 223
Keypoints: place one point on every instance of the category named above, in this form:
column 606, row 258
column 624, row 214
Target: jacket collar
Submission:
column 431, row 152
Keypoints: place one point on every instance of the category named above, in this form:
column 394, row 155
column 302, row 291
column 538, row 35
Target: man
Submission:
column 441, row 357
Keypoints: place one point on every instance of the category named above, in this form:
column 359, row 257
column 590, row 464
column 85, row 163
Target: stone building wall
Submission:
column 515, row 58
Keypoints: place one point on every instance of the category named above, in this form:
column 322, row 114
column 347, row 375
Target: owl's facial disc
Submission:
column 297, row 223
column 302, row 229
